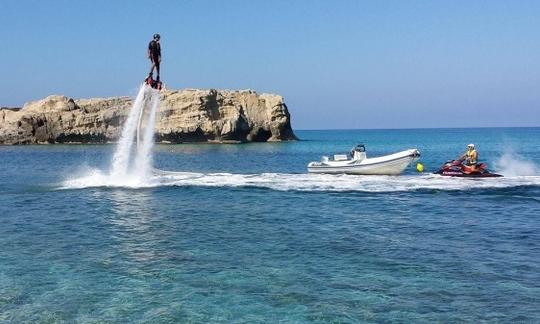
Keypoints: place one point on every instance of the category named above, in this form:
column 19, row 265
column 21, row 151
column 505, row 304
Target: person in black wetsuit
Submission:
column 154, row 54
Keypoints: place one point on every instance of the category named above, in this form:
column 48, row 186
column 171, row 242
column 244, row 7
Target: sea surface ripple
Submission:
column 240, row 233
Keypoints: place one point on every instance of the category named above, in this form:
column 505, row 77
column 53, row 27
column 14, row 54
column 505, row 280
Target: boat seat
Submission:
column 340, row 157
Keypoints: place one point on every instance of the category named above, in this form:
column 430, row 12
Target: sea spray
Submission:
column 512, row 165
column 120, row 161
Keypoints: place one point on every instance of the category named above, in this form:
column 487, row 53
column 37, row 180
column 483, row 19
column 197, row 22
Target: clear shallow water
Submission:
column 244, row 235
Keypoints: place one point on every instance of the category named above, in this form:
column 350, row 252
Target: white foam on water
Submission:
column 97, row 178
column 308, row 182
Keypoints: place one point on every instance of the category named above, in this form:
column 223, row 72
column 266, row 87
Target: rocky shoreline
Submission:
column 184, row 116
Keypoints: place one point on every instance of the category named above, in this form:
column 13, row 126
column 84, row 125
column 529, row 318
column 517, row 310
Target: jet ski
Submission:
column 358, row 163
column 456, row 168
column 155, row 84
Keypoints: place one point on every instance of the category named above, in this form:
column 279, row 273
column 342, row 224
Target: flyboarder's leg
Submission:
column 157, row 68
column 150, row 78
column 152, row 68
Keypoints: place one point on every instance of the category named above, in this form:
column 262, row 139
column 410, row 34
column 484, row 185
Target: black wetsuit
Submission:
column 155, row 51
column 155, row 55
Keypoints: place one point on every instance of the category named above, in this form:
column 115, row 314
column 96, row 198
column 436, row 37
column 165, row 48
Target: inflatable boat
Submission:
column 357, row 162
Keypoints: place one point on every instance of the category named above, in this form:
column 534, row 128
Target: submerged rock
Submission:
column 188, row 115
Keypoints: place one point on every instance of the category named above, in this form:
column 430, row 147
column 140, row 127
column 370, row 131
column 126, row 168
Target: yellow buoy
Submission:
column 419, row 167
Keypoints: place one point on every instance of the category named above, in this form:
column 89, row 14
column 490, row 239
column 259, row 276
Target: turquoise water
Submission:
column 245, row 235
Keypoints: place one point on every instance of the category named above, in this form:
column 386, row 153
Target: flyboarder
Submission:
column 154, row 54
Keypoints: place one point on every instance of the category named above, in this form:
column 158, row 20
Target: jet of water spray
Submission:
column 127, row 166
column 143, row 161
column 120, row 161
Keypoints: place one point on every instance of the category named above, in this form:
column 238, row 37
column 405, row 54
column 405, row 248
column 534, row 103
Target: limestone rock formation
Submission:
column 189, row 115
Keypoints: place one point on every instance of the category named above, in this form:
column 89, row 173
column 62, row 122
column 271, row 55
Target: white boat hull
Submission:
column 392, row 164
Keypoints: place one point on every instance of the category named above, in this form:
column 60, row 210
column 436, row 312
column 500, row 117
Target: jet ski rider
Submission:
column 470, row 156
column 154, row 54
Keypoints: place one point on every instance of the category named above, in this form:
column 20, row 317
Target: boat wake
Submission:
column 300, row 182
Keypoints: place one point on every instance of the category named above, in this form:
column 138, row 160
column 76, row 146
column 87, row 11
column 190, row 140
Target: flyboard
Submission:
column 155, row 84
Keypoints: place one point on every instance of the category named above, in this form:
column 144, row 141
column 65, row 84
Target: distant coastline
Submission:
column 413, row 128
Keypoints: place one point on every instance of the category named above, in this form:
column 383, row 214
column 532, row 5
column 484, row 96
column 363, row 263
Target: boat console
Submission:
column 359, row 152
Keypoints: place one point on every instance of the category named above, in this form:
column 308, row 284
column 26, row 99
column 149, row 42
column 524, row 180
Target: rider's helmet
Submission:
column 156, row 36
column 470, row 146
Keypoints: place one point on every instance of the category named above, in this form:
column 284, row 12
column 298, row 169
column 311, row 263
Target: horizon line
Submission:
column 408, row 128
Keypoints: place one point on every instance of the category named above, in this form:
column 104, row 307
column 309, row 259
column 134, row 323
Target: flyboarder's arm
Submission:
column 150, row 50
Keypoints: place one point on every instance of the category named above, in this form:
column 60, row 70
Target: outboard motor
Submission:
column 359, row 152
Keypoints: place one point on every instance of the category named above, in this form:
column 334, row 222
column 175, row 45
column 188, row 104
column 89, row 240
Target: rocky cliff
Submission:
column 184, row 116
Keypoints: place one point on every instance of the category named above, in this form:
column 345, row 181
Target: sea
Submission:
column 241, row 233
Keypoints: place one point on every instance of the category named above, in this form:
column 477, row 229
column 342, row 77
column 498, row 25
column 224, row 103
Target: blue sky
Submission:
column 339, row 64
